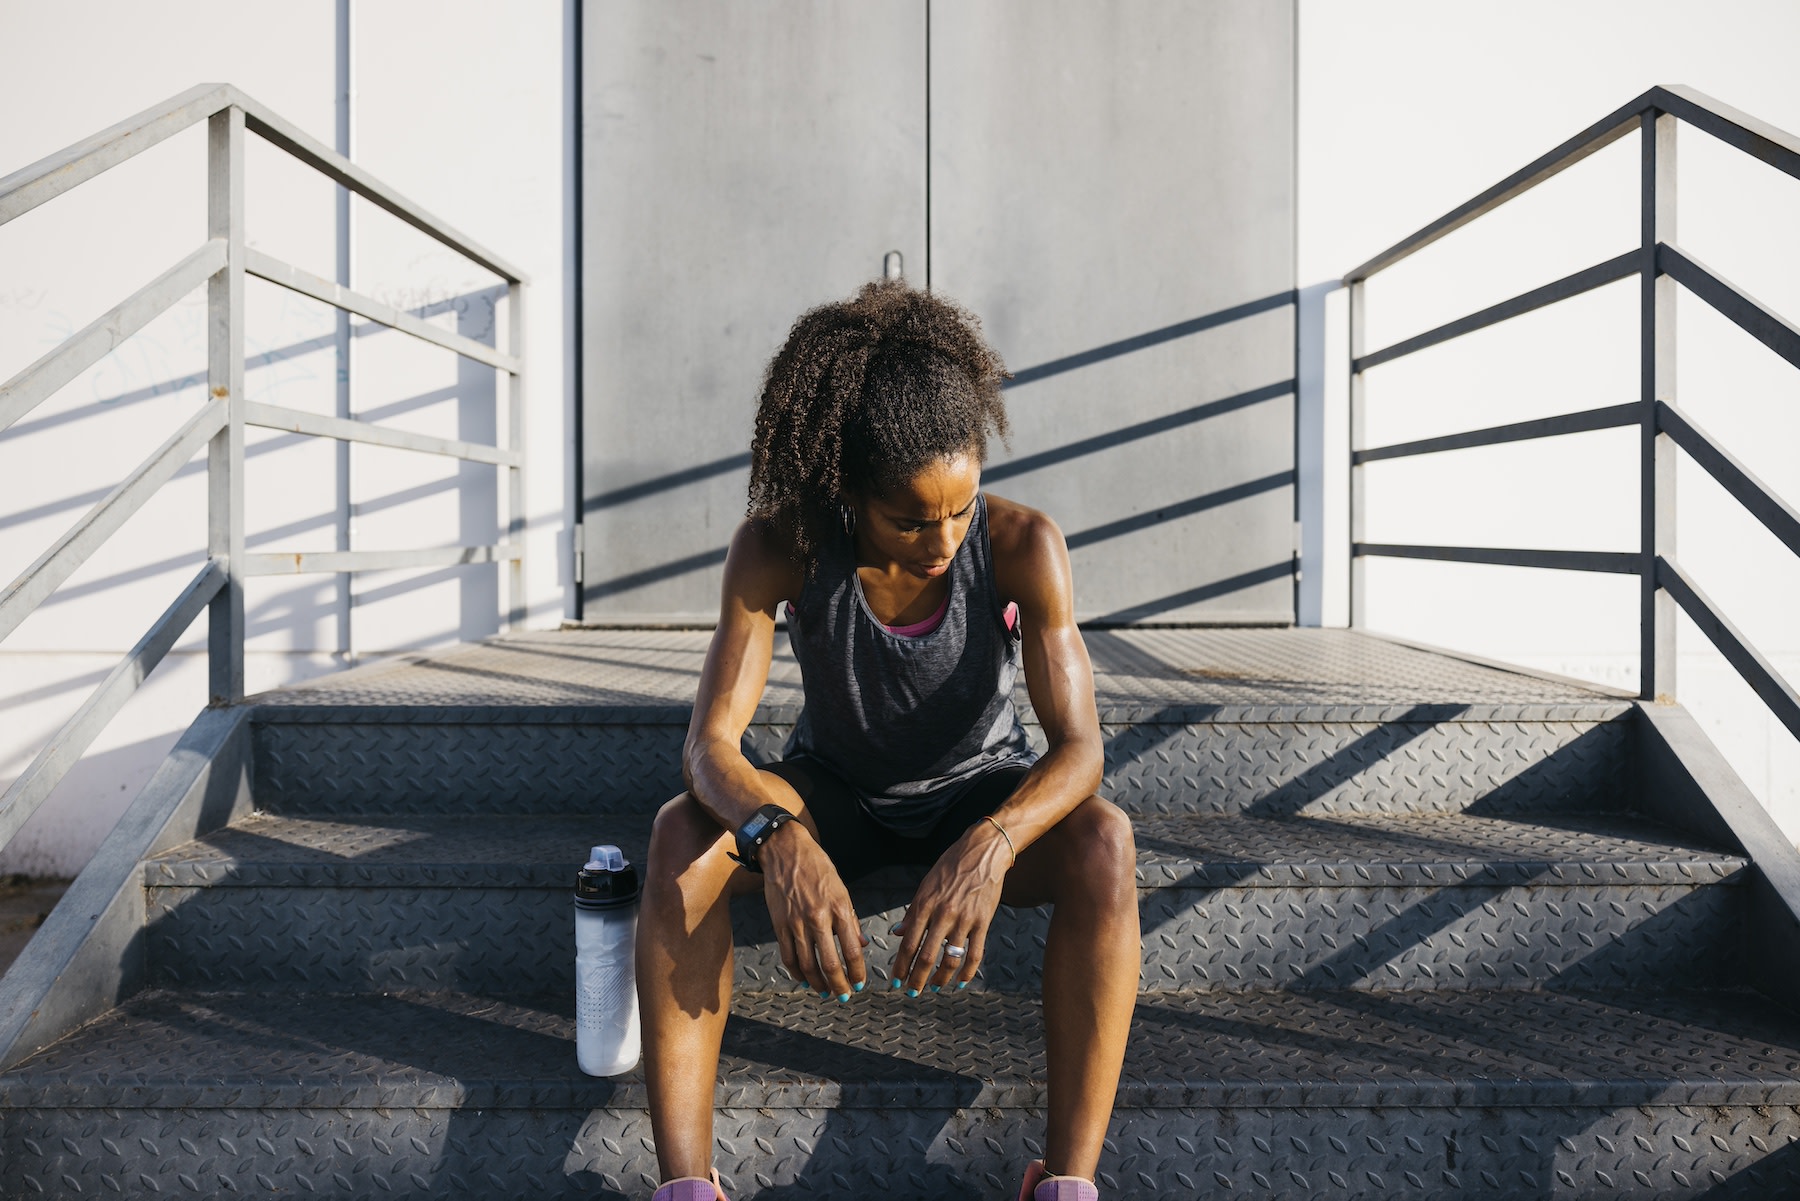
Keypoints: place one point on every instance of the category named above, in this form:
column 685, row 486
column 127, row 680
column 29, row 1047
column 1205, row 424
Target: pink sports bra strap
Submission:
column 919, row 629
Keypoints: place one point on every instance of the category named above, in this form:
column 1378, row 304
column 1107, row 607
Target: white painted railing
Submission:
column 222, row 264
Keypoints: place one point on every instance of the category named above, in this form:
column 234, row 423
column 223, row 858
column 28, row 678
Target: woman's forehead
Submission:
column 942, row 487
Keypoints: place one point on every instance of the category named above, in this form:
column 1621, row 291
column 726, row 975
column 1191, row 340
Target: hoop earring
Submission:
column 848, row 516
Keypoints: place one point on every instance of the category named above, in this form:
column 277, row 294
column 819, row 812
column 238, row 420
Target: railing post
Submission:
column 225, row 385
column 1656, row 380
column 1358, row 587
column 515, row 442
column 345, row 533
column 1309, row 451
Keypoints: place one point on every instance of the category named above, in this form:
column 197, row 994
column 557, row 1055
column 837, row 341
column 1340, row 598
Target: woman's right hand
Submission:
column 821, row 941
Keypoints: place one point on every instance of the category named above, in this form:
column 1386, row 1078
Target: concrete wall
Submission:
column 1408, row 108
column 461, row 107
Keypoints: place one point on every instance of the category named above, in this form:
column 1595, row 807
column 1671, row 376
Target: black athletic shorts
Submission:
column 858, row 844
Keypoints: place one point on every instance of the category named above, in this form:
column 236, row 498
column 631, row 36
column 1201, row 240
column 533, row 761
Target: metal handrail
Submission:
column 34, row 385
column 35, row 584
column 267, row 267
column 1586, row 421
column 1777, row 147
column 49, row 177
column 1659, row 265
column 222, row 264
column 33, row 787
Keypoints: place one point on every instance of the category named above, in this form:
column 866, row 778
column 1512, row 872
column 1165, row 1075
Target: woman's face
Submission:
column 918, row 526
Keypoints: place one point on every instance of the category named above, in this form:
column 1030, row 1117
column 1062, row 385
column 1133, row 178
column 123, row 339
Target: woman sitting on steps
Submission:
column 911, row 600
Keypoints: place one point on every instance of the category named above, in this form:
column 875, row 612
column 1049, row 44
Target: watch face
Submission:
column 753, row 829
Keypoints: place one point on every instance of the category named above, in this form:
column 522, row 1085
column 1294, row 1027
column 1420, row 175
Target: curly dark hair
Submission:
column 864, row 394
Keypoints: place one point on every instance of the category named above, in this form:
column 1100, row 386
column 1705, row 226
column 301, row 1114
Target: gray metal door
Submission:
column 1112, row 189
column 741, row 163
column 1109, row 185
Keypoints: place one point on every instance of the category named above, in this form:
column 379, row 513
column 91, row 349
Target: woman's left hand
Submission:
column 953, row 908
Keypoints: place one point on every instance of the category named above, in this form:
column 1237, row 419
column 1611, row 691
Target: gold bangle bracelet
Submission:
column 1009, row 842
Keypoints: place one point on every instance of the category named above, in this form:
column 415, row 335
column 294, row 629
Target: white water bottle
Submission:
column 606, row 1005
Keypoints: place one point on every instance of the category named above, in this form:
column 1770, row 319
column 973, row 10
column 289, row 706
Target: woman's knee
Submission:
column 683, row 834
column 1098, row 844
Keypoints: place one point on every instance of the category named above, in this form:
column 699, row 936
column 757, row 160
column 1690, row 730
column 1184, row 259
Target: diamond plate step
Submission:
column 1374, row 901
column 325, row 762
column 1317, row 674
column 1285, row 1095
column 1266, row 722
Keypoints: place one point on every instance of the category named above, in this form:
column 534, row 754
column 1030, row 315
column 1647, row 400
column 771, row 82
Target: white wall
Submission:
column 1409, row 107
column 459, row 105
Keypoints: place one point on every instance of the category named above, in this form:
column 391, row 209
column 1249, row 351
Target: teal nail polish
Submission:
column 896, row 984
column 844, row 998
column 894, row 929
column 962, row 984
column 858, row 987
column 912, row 992
column 824, row 996
column 934, row 988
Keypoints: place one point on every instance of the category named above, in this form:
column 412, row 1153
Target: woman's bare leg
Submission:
column 1085, row 867
column 684, row 978
column 684, row 970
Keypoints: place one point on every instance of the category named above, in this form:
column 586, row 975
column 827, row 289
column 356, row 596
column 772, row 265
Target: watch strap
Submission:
column 754, row 833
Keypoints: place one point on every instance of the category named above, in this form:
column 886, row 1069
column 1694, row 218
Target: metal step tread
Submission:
column 1182, row 850
column 1167, row 675
column 235, row 1051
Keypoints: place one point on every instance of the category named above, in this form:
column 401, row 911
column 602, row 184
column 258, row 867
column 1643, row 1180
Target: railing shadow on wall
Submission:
column 270, row 617
column 1053, row 456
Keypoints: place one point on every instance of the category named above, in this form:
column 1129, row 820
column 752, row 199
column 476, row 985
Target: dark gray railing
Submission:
column 221, row 264
column 1660, row 266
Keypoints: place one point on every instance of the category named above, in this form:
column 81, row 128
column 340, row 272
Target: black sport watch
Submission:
column 753, row 833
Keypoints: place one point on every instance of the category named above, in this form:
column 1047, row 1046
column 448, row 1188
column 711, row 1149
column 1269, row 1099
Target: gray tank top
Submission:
column 909, row 722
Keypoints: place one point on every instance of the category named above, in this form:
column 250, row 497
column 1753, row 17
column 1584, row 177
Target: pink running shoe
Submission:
column 692, row 1188
column 1041, row 1186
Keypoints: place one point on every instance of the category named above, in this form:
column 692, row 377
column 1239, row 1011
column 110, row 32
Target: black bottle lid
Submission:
column 607, row 881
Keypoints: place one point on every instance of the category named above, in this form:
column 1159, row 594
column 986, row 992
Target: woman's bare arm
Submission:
column 757, row 580
column 1031, row 563
column 809, row 906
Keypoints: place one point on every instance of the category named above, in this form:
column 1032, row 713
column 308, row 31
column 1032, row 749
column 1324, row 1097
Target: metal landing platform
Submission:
column 1310, row 674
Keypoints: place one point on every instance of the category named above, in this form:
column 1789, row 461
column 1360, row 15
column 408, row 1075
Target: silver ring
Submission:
column 955, row 952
